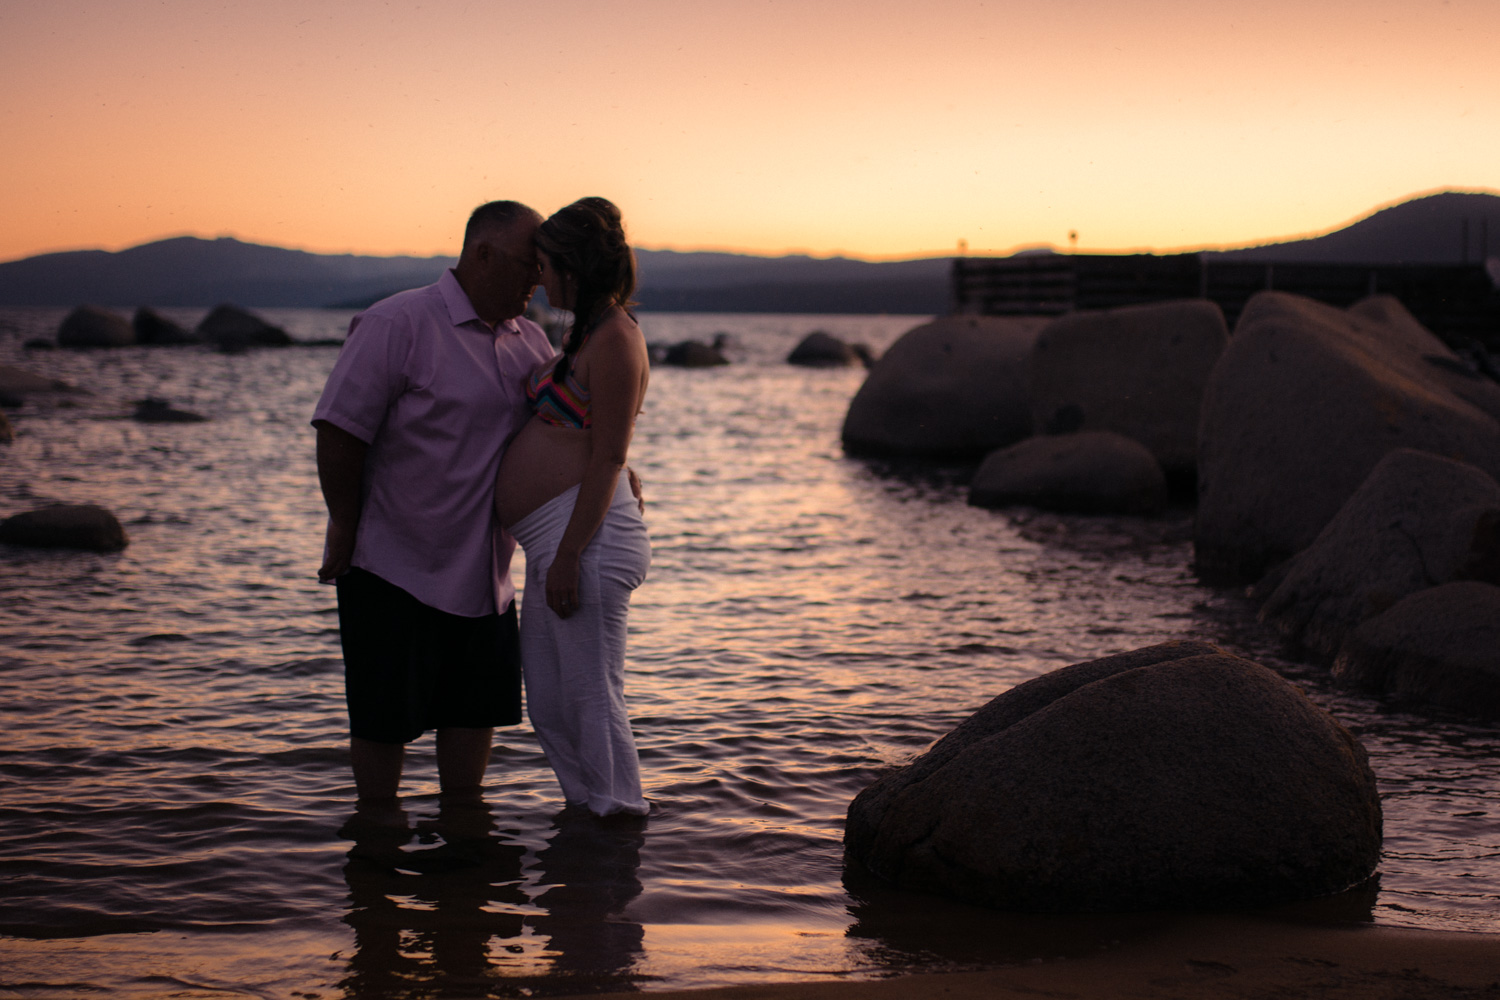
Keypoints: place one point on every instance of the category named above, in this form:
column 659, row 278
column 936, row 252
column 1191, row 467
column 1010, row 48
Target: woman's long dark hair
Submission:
column 586, row 244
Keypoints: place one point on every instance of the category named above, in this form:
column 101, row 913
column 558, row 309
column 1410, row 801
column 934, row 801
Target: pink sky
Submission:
column 873, row 128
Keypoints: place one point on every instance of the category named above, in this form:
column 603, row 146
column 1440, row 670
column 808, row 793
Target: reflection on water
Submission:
column 454, row 907
column 175, row 807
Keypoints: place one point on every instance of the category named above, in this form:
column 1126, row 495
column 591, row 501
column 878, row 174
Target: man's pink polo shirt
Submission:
column 437, row 395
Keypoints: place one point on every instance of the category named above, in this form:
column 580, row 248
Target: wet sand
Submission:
column 1200, row 957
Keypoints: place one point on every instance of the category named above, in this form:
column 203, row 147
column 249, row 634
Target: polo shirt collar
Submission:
column 461, row 310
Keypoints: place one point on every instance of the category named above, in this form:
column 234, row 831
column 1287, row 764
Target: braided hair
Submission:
column 586, row 244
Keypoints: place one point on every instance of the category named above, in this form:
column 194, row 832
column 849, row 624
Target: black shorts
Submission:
column 409, row 667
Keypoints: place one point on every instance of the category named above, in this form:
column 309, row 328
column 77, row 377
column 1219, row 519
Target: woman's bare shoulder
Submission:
column 617, row 332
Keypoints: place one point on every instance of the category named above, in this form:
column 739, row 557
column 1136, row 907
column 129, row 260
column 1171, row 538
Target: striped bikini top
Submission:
column 561, row 404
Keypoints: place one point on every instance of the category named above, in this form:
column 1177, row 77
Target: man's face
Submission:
column 511, row 268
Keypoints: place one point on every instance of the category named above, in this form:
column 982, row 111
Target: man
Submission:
column 411, row 426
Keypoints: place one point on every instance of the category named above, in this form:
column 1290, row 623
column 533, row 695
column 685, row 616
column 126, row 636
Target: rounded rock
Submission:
column 1416, row 521
column 65, row 526
column 1300, row 407
column 1138, row 371
column 1088, row 472
column 1175, row 776
column 952, row 389
column 1440, row 645
column 230, row 328
column 91, row 326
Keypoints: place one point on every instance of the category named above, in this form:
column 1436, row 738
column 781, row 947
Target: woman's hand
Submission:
column 562, row 585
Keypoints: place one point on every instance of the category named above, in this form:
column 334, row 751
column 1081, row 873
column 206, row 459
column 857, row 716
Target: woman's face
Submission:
column 558, row 294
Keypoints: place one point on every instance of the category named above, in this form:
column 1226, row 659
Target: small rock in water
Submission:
column 151, row 327
column 65, row 526
column 159, row 411
column 695, row 353
column 231, row 329
column 91, row 326
column 821, row 349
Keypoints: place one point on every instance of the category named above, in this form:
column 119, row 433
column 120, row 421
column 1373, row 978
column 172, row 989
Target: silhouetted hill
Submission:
column 671, row 281
column 1448, row 228
column 187, row 271
column 193, row 272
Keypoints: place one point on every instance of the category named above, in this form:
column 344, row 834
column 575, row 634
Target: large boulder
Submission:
column 1440, row 645
column 1138, row 371
column 91, row 326
column 151, row 327
column 1171, row 776
column 1090, row 472
column 1303, row 403
column 230, row 328
column 1418, row 520
column 65, row 526
column 955, row 388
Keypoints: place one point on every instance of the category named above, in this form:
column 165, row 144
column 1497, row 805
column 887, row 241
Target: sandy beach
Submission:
column 1199, row 957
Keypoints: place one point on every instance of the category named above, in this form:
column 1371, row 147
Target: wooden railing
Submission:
column 1458, row 302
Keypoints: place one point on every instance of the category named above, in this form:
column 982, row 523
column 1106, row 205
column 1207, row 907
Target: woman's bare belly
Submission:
column 542, row 462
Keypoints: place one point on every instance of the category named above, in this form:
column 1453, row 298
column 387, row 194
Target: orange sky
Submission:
column 869, row 127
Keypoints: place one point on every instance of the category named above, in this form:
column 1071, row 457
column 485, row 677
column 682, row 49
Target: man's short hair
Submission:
column 496, row 215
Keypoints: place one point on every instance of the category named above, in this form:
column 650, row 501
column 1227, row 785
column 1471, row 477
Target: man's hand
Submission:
column 338, row 549
column 341, row 464
column 635, row 488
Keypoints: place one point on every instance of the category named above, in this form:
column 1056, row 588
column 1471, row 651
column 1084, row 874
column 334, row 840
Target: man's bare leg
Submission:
column 377, row 768
column 462, row 756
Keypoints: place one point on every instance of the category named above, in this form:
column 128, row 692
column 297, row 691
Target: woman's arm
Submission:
column 617, row 373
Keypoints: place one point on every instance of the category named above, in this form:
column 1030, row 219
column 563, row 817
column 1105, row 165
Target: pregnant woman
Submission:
column 561, row 493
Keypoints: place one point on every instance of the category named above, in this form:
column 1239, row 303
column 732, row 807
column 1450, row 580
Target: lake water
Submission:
column 176, row 804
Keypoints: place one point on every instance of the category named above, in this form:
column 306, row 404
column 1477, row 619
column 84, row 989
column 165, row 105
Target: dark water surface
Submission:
column 176, row 817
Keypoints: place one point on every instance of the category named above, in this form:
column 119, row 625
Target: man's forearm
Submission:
column 341, row 470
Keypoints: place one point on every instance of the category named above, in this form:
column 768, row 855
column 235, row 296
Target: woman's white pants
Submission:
column 575, row 667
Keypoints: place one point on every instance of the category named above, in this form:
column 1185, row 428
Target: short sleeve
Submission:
column 368, row 376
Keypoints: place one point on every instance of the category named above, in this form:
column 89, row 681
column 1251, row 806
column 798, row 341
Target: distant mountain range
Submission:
column 187, row 271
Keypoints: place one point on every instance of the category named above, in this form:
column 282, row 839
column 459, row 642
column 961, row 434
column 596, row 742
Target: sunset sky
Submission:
column 869, row 127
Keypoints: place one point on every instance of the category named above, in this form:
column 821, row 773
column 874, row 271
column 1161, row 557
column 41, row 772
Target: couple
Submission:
column 448, row 417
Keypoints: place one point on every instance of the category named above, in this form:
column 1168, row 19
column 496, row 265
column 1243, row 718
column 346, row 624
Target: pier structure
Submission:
column 1458, row 302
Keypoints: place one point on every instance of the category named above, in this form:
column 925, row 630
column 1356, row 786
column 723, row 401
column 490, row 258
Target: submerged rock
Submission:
column 65, row 526
column 230, row 328
column 952, row 389
column 1090, row 472
column 1416, row 522
column 1171, row 776
column 1440, row 645
column 1303, row 403
column 1138, row 371
column 7, row 435
column 16, row 384
column 152, row 410
column 92, row 326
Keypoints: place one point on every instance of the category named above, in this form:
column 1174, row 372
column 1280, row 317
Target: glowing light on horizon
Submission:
column 828, row 126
